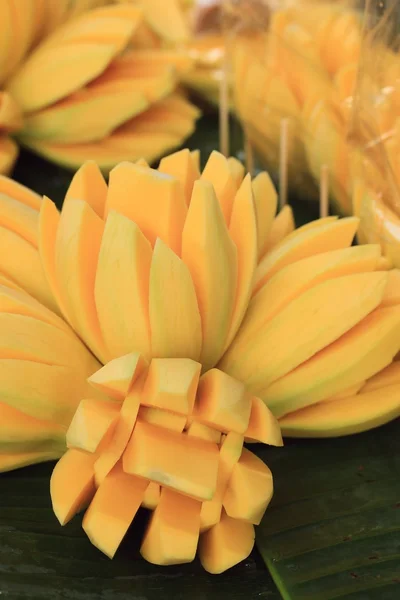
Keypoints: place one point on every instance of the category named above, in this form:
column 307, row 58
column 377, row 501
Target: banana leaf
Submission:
column 333, row 527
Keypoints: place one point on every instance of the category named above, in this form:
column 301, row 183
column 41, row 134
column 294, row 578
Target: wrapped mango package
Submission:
column 144, row 342
column 90, row 80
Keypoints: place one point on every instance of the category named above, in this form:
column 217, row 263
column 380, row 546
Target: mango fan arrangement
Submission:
column 81, row 80
column 159, row 322
column 309, row 62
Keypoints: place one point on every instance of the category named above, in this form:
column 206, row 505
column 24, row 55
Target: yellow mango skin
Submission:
column 306, row 242
column 11, row 461
column 313, row 320
column 387, row 377
column 19, row 192
column 203, row 432
column 122, row 287
column 174, row 313
column 210, row 254
column 249, row 490
column 218, row 172
column 20, row 218
column 361, row 353
column 151, row 496
column 172, row 535
column 72, row 484
column 226, row 544
column 151, row 453
column 109, row 515
column 91, row 422
column 350, row 415
column 117, row 376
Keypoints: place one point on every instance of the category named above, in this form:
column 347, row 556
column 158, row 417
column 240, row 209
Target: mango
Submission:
column 117, row 376
column 151, row 453
column 204, row 432
column 173, row 532
column 281, row 226
column 163, row 418
column 88, row 184
column 266, row 202
column 217, row 172
column 91, row 422
column 182, row 166
column 263, row 427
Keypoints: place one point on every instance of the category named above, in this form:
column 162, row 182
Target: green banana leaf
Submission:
column 333, row 527
column 332, row 530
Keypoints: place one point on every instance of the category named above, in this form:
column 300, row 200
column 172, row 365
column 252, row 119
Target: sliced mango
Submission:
column 174, row 314
column 182, row 166
column 171, row 384
column 77, row 249
column 20, row 432
column 122, row 287
column 152, row 451
column 113, row 509
column 266, row 202
column 249, row 490
column 163, row 418
column 363, row 351
column 151, row 496
column 209, row 252
column 312, row 322
column 281, row 226
column 72, row 484
column 226, row 544
column 321, row 238
column 222, row 402
column 16, row 460
column 343, row 417
column 90, row 424
column 153, row 200
column 19, row 218
column 230, row 452
column 173, row 532
column 217, row 172
column 263, row 426
column 204, row 432
column 19, row 192
column 116, row 377
column 88, row 184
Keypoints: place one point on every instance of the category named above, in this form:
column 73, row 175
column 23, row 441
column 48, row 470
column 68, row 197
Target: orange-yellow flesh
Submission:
column 226, row 544
column 90, row 424
column 199, row 430
column 181, row 166
column 163, row 418
column 113, row 509
column 266, row 201
column 281, row 226
column 115, row 447
column 222, row 402
column 229, row 454
column 263, row 426
column 72, row 484
column 217, row 172
column 88, row 184
column 172, row 535
column 171, row 384
column 151, row 496
column 117, row 376
column 152, row 451
column 249, row 490
column 122, row 286
column 23, row 433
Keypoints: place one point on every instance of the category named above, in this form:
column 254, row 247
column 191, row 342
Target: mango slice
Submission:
column 249, row 490
column 90, row 424
column 171, row 384
column 392, row 291
column 266, row 202
column 222, row 402
column 121, row 433
column 282, row 225
column 313, row 321
column 321, row 238
column 218, row 173
column 19, row 192
column 389, row 376
column 113, row 509
column 230, row 452
column 20, row 218
column 181, row 166
column 343, row 417
column 174, row 314
column 122, row 287
column 211, row 256
column 226, row 544
column 204, row 432
column 76, row 264
column 238, row 170
column 161, row 215
column 117, row 376
column 88, row 184
column 263, row 426
column 151, row 496
column 20, row 432
column 172, row 535
column 163, row 418
column 151, row 453
column 363, row 351
column 72, row 484
column 243, row 230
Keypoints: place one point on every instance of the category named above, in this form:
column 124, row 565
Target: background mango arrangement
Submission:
column 310, row 63
column 156, row 335
column 99, row 80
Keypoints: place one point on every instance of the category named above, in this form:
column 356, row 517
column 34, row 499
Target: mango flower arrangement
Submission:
column 148, row 337
column 92, row 81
